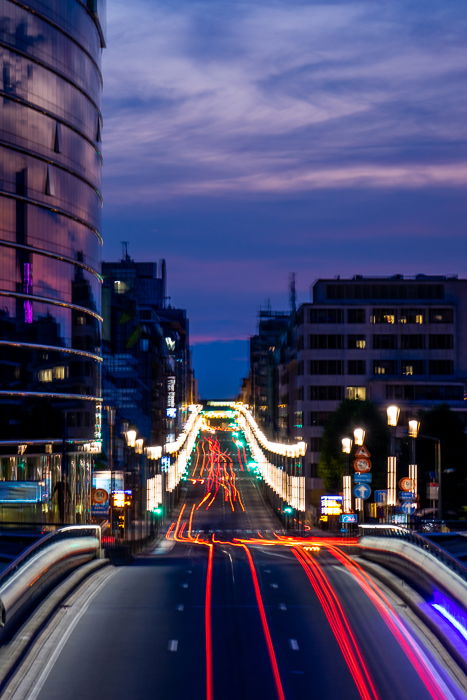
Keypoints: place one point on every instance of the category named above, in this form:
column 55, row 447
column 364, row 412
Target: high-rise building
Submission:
column 50, row 243
column 147, row 379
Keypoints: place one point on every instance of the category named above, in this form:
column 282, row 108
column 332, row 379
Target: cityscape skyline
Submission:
column 258, row 139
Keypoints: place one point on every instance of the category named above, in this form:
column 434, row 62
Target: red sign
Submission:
column 362, row 451
column 362, row 464
column 406, row 484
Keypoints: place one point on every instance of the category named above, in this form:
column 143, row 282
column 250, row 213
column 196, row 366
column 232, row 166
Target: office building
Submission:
column 50, row 249
column 395, row 340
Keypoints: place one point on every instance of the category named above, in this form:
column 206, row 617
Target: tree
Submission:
column 349, row 415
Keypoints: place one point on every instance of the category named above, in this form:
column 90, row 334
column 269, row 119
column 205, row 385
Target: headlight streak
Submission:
column 339, row 624
column 427, row 674
column 220, row 477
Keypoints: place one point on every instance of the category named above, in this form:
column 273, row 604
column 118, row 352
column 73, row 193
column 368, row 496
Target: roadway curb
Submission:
column 15, row 650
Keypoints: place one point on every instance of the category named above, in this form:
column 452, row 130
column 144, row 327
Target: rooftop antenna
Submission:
column 292, row 293
column 125, row 256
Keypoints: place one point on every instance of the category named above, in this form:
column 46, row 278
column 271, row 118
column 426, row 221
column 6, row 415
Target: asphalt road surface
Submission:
column 225, row 608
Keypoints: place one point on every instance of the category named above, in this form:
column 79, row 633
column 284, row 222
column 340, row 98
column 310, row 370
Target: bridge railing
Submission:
column 42, row 564
column 402, row 533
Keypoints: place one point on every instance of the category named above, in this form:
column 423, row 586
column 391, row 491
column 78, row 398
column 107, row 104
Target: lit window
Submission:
column 59, row 372
column 419, row 318
column 379, row 369
column 407, row 370
column 80, row 321
column 120, row 287
column 356, row 393
column 361, row 343
column 45, row 375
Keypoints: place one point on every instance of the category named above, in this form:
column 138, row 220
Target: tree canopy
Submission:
column 353, row 414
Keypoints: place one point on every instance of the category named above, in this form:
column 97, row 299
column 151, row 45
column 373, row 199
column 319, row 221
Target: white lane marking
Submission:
column 274, row 585
column 282, row 606
column 184, row 585
column 189, row 571
column 173, row 645
column 34, row 692
column 180, row 608
column 294, row 644
column 267, row 571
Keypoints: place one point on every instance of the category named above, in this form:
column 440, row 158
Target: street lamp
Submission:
column 130, row 437
column 413, row 430
column 359, row 436
column 347, row 479
column 392, row 413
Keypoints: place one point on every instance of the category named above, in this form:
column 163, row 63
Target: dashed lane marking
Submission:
column 294, row 644
column 173, row 645
column 180, row 608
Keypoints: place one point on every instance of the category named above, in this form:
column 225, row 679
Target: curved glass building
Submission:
column 50, row 208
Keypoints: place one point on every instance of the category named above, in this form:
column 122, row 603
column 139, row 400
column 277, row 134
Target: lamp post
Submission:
column 437, row 470
column 392, row 413
column 359, row 439
column 347, row 479
column 413, row 430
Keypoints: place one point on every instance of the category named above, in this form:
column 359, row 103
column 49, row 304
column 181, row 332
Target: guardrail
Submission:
column 399, row 532
column 40, row 566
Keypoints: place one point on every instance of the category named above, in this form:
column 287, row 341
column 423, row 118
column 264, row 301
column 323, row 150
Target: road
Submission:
column 227, row 607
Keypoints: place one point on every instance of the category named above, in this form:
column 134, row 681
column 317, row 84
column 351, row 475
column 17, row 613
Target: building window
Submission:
column 383, row 316
column 326, row 316
column 441, row 341
column 355, row 393
column 412, row 342
column 411, row 367
column 326, row 393
column 356, row 316
column 298, row 418
column 441, row 316
column 326, row 367
column 316, row 444
column 385, row 342
column 424, row 392
column 441, row 367
column 411, row 316
column 356, row 342
column 120, row 287
column 319, row 418
column 326, row 342
column 356, row 367
column 384, row 367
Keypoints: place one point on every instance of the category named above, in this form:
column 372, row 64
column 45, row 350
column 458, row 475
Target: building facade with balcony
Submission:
column 391, row 341
column 50, row 249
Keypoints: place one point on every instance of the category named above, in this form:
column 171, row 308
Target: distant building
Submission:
column 389, row 340
column 148, row 379
column 264, row 356
column 50, row 245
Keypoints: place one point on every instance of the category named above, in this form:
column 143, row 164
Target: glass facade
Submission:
column 50, row 209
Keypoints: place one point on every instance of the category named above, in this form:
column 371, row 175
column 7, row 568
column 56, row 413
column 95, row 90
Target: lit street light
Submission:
column 347, row 479
column 393, row 418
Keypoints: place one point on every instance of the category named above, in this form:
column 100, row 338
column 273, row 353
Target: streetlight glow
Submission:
column 346, row 445
column 414, row 427
column 130, row 437
column 393, row 415
column 359, row 436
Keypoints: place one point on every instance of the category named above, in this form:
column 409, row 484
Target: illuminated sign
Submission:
column 101, row 487
column 22, row 491
column 171, row 413
column 331, row 505
column 170, row 392
column 120, row 499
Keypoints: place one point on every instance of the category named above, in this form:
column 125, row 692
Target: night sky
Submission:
column 245, row 140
